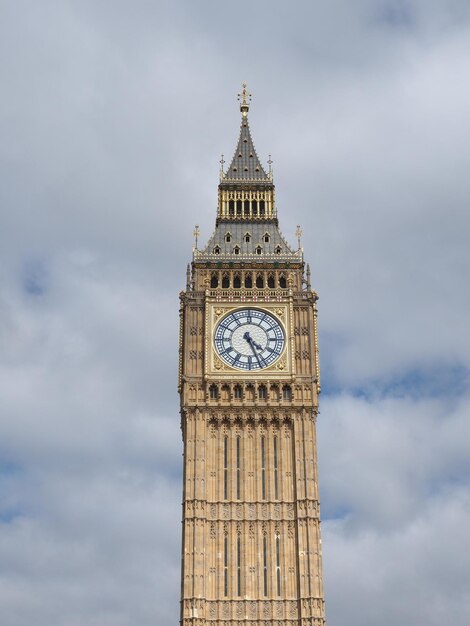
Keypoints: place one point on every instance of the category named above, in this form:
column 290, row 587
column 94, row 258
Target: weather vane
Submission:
column 244, row 98
column 196, row 234
column 298, row 234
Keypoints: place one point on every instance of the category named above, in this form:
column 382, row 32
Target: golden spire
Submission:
column 244, row 98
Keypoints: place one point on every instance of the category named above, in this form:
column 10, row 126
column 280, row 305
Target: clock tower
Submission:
column 249, row 381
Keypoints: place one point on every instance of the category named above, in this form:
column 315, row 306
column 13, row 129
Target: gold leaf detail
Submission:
column 218, row 364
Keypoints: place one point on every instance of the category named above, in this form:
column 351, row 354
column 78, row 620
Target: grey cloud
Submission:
column 112, row 118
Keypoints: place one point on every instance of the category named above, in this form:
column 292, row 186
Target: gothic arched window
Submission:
column 274, row 392
column 286, row 393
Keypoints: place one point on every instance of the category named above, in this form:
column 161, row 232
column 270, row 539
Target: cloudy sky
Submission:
column 113, row 115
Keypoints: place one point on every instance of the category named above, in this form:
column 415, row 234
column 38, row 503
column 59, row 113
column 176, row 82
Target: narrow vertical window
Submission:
column 265, row 566
column 238, row 468
column 225, row 565
column 225, row 468
column 278, row 566
column 276, row 484
column 239, row 565
column 263, row 470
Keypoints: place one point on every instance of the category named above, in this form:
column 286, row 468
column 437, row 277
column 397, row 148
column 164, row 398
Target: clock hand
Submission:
column 247, row 337
column 260, row 361
column 252, row 344
column 251, row 341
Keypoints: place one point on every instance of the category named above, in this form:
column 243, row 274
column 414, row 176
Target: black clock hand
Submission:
column 255, row 353
column 251, row 341
column 252, row 344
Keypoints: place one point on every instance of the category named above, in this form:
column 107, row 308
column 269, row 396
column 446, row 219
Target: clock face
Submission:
column 249, row 339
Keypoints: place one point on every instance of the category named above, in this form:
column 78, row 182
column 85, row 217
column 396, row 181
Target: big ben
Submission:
column 249, row 381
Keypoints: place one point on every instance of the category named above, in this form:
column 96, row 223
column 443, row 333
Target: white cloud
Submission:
column 112, row 120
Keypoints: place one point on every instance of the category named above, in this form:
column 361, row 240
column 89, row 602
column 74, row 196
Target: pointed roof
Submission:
column 245, row 165
column 265, row 235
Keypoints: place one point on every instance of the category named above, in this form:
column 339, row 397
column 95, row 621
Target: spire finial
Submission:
column 298, row 234
column 196, row 234
column 270, row 163
column 244, row 98
column 222, row 167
